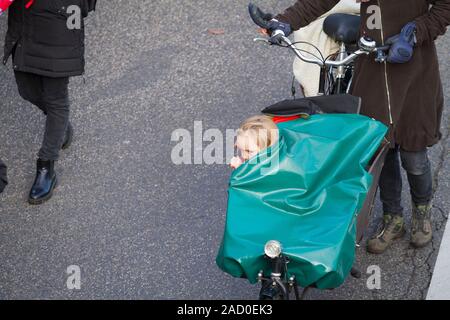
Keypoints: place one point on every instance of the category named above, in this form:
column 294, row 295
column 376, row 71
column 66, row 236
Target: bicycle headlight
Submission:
column 272, row 249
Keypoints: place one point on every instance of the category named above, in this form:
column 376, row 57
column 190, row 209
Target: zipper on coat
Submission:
column 385, row 69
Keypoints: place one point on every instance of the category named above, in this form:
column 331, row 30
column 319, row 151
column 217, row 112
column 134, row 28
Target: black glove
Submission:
column 278, row 30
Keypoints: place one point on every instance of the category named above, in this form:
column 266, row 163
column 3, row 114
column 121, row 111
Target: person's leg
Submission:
column 418, row 168
column 392, row 226
column 56, row 102
column 391, row 184
column 51, row 96
column 30, row 88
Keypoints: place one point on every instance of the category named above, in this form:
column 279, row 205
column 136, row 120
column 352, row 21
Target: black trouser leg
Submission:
column 51, row 96
column 391, row 183
column 30, row 88
column 56, row 101
column 418, row 168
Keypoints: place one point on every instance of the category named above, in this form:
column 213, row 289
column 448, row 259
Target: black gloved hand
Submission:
column 278, row 30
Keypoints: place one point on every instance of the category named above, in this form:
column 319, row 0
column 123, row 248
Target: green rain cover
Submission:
column 306, row 192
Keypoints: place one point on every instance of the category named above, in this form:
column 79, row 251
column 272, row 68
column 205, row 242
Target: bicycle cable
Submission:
column 305, row 51
column 312, row 45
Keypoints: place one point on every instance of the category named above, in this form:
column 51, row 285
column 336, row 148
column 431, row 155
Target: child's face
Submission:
column 247, row 146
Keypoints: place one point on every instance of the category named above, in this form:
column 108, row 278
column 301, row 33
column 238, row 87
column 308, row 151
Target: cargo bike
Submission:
column 298, row 225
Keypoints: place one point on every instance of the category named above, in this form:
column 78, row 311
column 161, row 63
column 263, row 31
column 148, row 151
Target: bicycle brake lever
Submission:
column 261, row 40
column 381, row 56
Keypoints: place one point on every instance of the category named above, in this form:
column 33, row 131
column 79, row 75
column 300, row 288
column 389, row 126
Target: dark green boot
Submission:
column 392, row 227
column 421, row 231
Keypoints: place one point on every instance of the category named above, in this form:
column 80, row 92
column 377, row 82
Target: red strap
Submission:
column 29, row 4
column 279, row 119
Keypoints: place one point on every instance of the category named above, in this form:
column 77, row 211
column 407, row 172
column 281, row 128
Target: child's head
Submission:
column 256, row 134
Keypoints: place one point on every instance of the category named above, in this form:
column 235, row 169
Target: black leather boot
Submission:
column 68, row 137
column 44, row 183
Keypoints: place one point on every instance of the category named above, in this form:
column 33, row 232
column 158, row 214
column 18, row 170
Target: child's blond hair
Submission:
column 262, row 128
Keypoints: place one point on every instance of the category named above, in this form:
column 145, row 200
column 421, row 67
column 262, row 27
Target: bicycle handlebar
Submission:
column 366, row 45
column 319, row 62
column 330, row 63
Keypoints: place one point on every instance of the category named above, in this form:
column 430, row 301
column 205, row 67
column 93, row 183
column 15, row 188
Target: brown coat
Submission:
column 406, row 97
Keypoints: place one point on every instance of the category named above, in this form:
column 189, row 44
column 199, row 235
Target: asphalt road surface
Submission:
column 137, row 225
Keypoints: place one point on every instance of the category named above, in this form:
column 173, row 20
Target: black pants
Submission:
column 418, row 169
column 51, row 95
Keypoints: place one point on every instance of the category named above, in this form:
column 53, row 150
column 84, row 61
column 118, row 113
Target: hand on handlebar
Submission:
column 272, row 27
column 278, row 30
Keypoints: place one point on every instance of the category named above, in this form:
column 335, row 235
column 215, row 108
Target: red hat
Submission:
column 4, row 4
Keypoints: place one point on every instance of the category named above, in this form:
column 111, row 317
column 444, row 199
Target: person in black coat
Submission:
column 46, row 41
column 3, row 178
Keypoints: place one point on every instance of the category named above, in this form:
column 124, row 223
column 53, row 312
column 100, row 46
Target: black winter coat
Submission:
column 40, row 40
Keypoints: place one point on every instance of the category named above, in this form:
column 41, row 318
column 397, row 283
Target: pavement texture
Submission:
column 440, row 282
column 137, row 225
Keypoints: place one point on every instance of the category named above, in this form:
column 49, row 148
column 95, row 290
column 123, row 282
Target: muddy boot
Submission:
column 391, row 228
column 421, row 231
